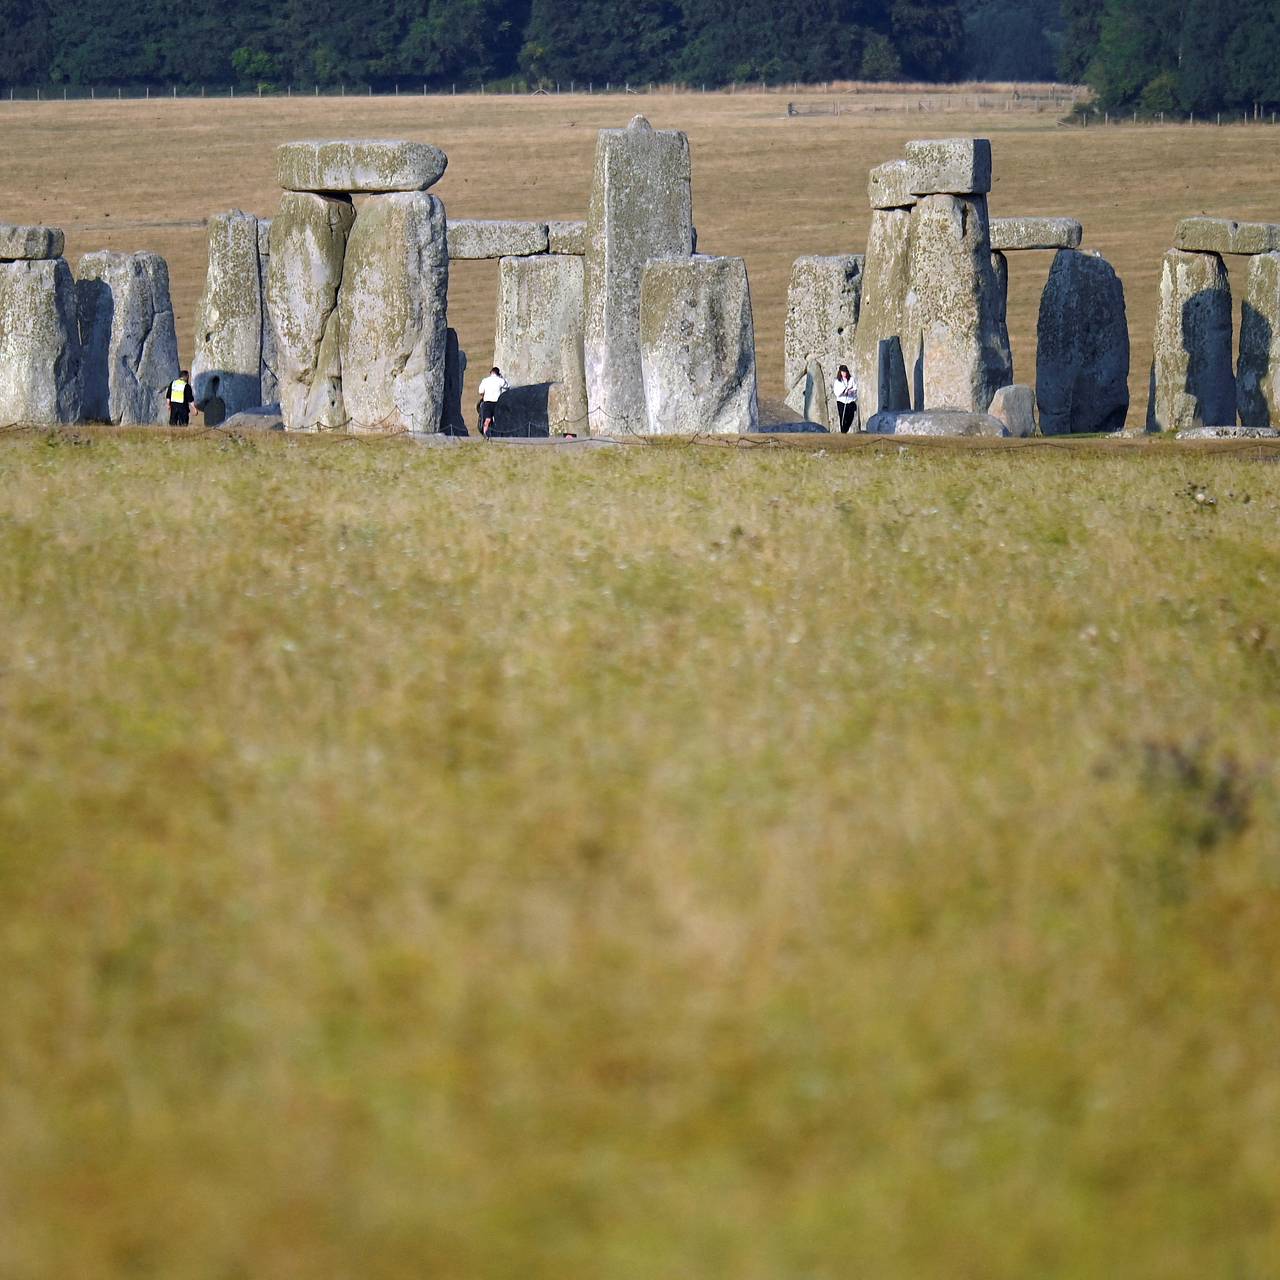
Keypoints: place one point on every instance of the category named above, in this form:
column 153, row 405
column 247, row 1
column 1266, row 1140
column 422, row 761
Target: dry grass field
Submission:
column 765, row 186
column 685, row 861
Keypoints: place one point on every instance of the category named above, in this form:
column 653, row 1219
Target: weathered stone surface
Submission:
column 811, row 390
column 822, row 321
column 697, row 347
column 453, row 422
column 1010, row 234
column 483, row 238
column 1082, row 347
column 641, row 208
column 936, row 422
column 1192, row 380
column 128, row 343
column 538, row 339
column 884, row 315
column 230, row 314
column 358, row 165
column 1258, row 368
column 957, row 303
column 1224, row 235
column 265, row 417
column 29, row 243
column 39, row 343
column 1015, row 406
column 391, row 314
column 949, row 166
column 567, row 237
column 308, row 244
column 889, row 186
column 267, row 361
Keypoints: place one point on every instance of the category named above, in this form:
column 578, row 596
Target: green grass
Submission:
column 635, row 864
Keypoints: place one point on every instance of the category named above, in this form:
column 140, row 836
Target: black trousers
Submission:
column 179, row 415
column 848, row 414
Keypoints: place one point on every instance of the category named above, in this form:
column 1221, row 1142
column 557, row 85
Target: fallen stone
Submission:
column 1015, row 406
column 538, row 343
column 18, row 243
column 805, row 428
column 260, row 418
column 1224, row 235
column 453, row 421
column 358, row 165
column 308, row 244
column 391, row 314
column 1012, row 234
column 1082, row 347
column 1193, row 384
column 957, row 303
column 482, row 238
column 949, row 166
column 128, row 343
column 230, row 314
column 567, row 237
column 40, row 377
column 1228, row 433
column 697, row 347
column 889, row 186
column 1258, row 368
column 641, row 209
column 936, row 422
column 884, row 316
column 823, row 301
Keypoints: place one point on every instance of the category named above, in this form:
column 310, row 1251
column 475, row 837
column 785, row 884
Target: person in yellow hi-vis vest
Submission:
column 181, row 398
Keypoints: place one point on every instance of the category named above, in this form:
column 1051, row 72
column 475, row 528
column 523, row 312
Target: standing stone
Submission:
column 697, row 347
column 1258, row 370
column 1000, row 266
column 1192, row 380
column 1015, row 406
column 452, row 420
column 538, row 341
column 308, row 244
column 641, row 208
column 269, row 389
column 229, row 316
column 39, row 343
column 884, row 314
column 1082, row 347
column 822, row 321
column 391, row 314
column 128, row 343
column 957, row 304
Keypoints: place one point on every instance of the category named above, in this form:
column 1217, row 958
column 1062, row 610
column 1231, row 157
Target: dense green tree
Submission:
column 1081, row 26
column 929, row 37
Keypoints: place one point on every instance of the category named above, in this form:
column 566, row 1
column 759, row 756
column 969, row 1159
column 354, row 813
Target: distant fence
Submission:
column 859, row 97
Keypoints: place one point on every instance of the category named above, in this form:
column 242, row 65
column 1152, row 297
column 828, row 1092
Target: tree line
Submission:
column 1175, row 56
column 250, row 43
column 1153, row 55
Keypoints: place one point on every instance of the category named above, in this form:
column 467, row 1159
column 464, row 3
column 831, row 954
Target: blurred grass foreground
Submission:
column 636, row 864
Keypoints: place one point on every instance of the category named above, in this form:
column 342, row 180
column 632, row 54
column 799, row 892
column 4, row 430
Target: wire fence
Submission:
column 852, row 96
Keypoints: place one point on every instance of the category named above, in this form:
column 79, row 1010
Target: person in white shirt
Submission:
column 845, row 390
column 491, row 389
